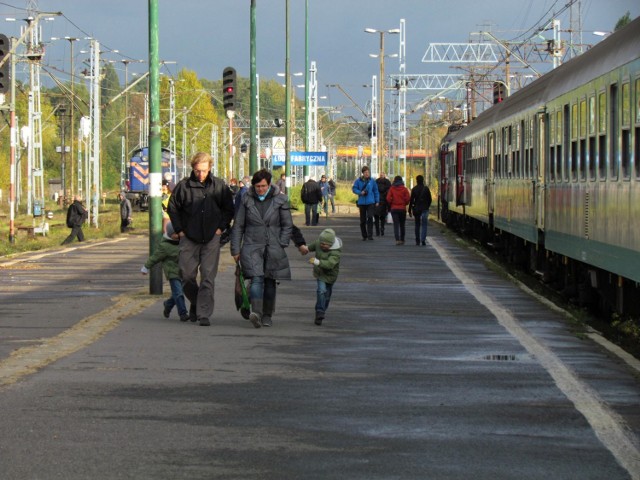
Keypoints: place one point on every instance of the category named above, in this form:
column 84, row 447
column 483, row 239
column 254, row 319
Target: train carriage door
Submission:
column 539, row 167
column 491, row 155
column 460, row 200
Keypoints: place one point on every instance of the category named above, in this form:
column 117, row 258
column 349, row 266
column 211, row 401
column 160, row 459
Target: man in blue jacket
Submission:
column 368, row 199
column 200, row 208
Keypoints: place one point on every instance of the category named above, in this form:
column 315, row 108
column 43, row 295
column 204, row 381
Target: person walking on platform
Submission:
column 125, row 212
column 167, row 253
column 311, row 196
column 419, row 207
column 326, row 266
column 380, row 215
column 324, row 189
column 76, row 216
column 261, row 231
column 398, row 198
column 332, row 195
column 200, row 208
column 368, row 198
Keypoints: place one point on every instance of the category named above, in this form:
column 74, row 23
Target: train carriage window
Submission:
column 574, row 142
column 637, row 129
column 614, row 132
column 552, row 148
column 583, row 141
column 566, row 143
column 559, row 128
column 602, row 136
column 625, row 154
column 592, row 138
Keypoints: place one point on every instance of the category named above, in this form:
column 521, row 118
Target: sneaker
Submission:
column 255, row 319
column 266, row 321
column 204, row 322
column 166, row 312
column 370, row 238
column 192, row 314
column 184, row 317
column 424, row 244
column 319, row 318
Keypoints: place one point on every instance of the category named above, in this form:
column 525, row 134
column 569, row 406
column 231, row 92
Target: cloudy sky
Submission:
column 208, row 35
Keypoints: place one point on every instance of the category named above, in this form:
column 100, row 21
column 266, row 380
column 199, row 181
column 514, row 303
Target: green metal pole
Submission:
column 306, row 85
column 254, row 148
column 155, row 149
column 287, row 141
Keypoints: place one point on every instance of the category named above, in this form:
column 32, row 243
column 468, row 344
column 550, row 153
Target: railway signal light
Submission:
column 243, row 148
column 5, row 70
column 499, row 93
column 278, row 122
column 229, row 89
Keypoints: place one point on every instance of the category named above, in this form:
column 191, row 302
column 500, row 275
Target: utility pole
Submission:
column 155, row 149
column 254, row 147
column 287, row 140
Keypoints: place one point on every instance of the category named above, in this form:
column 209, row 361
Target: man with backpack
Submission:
column 311, row 196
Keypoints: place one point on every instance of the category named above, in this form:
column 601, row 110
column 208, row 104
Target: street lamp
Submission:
column 61, row 113
column 126, row 63
column 380, row 132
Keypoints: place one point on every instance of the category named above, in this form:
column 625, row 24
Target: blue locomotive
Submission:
column 551, row 175
column 137, row 184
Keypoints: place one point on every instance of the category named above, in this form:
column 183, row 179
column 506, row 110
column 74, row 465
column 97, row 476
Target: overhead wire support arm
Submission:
column 349, row 97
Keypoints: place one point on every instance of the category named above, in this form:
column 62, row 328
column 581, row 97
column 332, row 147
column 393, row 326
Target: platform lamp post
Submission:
column 61, row 112
column 380, row 133
column 71, row 41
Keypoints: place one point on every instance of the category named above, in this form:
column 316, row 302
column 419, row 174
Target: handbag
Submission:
column 389, row 218
column 241, row 296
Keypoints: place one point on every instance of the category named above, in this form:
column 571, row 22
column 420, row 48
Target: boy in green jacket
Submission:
column 326, row 265
column 167, row 253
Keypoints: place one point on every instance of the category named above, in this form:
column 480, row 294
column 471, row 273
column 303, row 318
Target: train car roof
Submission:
column 618, row 49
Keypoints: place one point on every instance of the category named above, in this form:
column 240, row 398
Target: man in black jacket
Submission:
column 311, row 196
column 200, row 208
column 76, row 216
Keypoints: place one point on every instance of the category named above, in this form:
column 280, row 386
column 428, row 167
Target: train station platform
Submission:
column 430, row 364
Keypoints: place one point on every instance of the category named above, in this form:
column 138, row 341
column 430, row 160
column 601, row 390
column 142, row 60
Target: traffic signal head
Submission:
column 229, row 89
column 5, row 69
column 498, row 92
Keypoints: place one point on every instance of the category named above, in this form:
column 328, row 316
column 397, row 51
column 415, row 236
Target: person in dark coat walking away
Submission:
column 261, row 231
column 380, row 216
column 311, row 196
column 326, row 266
column 76, row 216
column 398, row 198
column 200, row 208
column 125, row 212
column 368, row 199
column 419, row 208
column 167, row 253
column 332, row 194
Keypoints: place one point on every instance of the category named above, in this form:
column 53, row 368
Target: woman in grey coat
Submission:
column 261, row 231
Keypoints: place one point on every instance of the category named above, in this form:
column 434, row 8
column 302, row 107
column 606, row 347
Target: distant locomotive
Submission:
column 551, row 175
column 137, row 184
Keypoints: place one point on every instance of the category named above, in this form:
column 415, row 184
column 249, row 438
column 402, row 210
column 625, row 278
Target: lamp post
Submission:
column 61, row 113
column 71, row 40
column 126, row 63
column 380, row 132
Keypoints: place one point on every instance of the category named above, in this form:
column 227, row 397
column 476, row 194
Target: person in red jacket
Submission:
column 398, row 198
